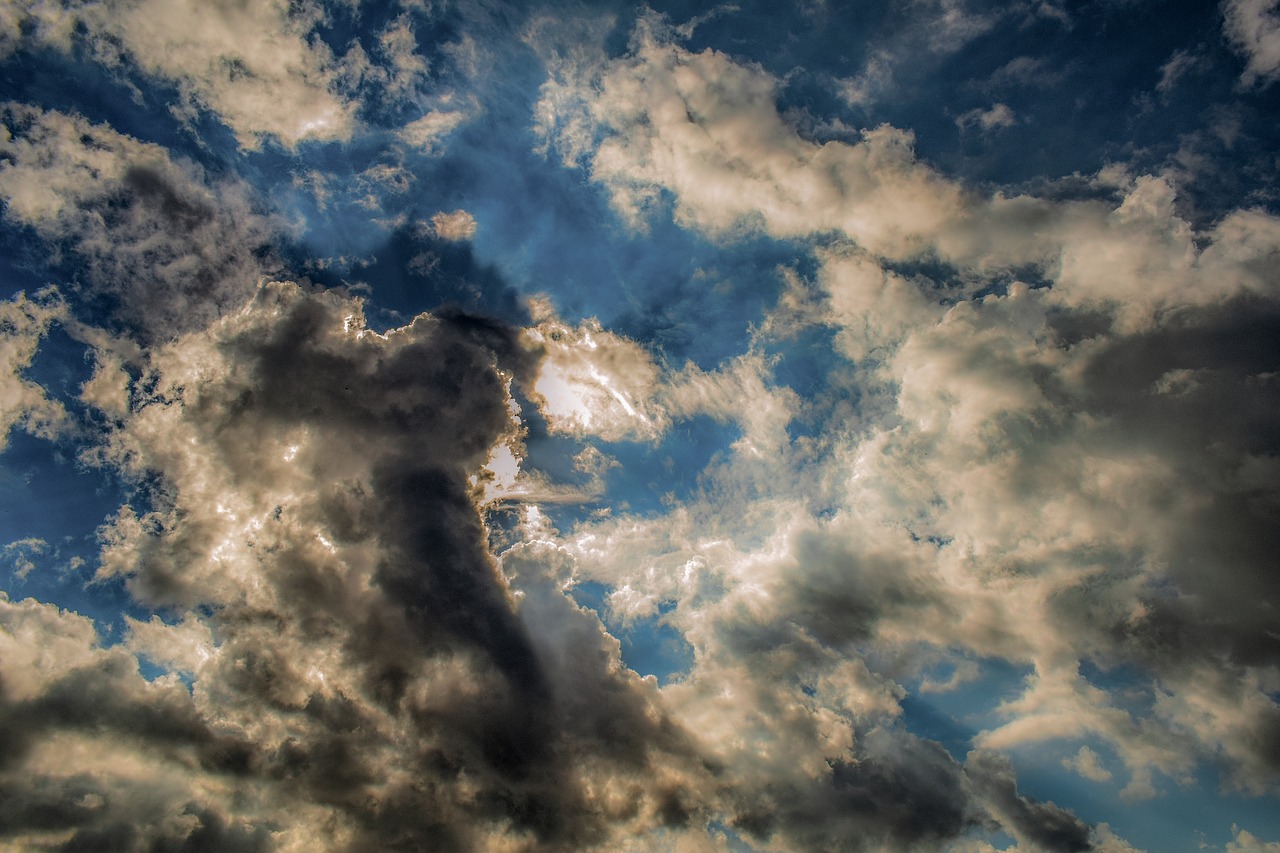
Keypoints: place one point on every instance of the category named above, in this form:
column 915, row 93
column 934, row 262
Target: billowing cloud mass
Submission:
column 468, row 428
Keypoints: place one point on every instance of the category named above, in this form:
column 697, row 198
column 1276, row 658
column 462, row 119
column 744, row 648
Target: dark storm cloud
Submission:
column 102, row 697
column 898, row 792
column 1044, row 826
column 1200, row 392
column 373, row 662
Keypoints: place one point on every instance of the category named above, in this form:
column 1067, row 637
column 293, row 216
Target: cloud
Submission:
column 1179, row 65
column 1022, row 430
column 258, row 67
column 1246, row 842
column 1254, row 28
column 868, row 86
column 426, row 133
column 23, row 322
column 1002, row 430
column 1087, row 763
column 593, row 382
column 1042, row 826
column 457, row 225
column 704, row 131
column 997, row 117
column 162, row 245
column 21, row 552
column 352, row 648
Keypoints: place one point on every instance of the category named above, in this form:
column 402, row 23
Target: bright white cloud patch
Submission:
column 427, row 132
column 257, row 65
column 455, row 225
column 593, row 382
column 1253, row 26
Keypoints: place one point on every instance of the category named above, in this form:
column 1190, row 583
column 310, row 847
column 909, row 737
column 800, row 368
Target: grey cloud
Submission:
column 163, row 246
column 1197, row 392
column 1044, row 826
column 896, row 792
column 369, row 659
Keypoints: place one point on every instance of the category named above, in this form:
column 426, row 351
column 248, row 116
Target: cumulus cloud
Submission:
column 1246, row 842
column 364, row 654
column 705, row 130
column 1042, row 432
column 1005, row 433
column 1087, row 763
column 593, row 382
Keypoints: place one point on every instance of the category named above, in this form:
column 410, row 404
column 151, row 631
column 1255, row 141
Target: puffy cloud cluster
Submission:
column 1048, row 435
column 359, row 672
column 263, row 69
column 1062, row 476
column 258, row 66
column 156, row 241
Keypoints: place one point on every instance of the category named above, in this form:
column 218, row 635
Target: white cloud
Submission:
column 869, row 86
column 427, row 132
column 325, row 648
column 183, row 249
column 1254, row 27
column 1246, row 842
column 996, row 117
column 593, row 382
column 257, row 66
column 456, row 225
column 1087, row 763
column 21, row 551
column 23, row 322
column 1180, row 64
column 995, row 450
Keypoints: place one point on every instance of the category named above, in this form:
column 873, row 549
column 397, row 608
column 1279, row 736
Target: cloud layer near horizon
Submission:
column 1041, row 436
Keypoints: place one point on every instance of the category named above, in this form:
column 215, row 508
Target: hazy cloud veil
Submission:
column 532, row 427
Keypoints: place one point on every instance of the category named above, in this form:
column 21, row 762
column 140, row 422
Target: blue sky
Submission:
column 522, row 426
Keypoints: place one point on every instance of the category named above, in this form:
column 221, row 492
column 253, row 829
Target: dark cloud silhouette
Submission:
column 1045, row 826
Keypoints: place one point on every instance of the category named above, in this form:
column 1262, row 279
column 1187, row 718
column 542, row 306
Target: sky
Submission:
column 455, row 425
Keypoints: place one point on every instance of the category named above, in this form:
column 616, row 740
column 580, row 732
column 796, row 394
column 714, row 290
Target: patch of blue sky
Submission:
column 1177, row 818
column 804, row 362
column 817, row 36
column 46, row 495
column 1128, row 686
column 679, row 294
column 648, row 477
column 22, row 261
column 649, row 646
column 732, row 839
column 61, row 366
column 693, row 300
column 930, row 719
column 953, row 716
